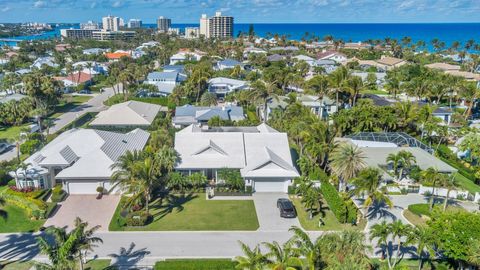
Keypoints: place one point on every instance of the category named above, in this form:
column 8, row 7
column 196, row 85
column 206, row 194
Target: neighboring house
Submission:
column 44, row 61
column 79, row 159
column 309, row 60
column 327, row 64
column 174, row 68
column 188, row 114
column 388, row 63
column 75, row 79
column 444, row 67
column 127, row 115
column 4, row 61
column 275, row 58
column 23, row 71
column 287, row 48
column 380, row 76
column 227, row 64
column 165, row 77
column 252, row 50
column 115, row 56
column 186, row 54
column 332, row 55
column 261, row 154
column 279, row 103
column 94, row 51
column 469, row 76
column 321, row 109
column 96, row 68
column 444, row 113
column 62, row 47
column 223, row 86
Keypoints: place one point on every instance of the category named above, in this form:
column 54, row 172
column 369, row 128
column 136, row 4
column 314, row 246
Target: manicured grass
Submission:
column 11, row 133
column 18, row 221
column 192, row 212
column 412, row 264
column 414, row 218
column 69, row 103
column 375, row 92
column 196, row 264
column 97, row 264
column 331, row 222
column 466, row 183
column 16, row 265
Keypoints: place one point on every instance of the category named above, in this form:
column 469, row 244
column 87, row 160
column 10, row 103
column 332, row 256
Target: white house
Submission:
column 252, row 50
column 79, row 159
column 184, row 55
column 322, row 108
column 188, row 114
column 261, row 153
column 44, row 61
column 228, row 64
column 332, row 55
column 223, row 86
column 130, row 114
column 165, row 81
column 310, row 61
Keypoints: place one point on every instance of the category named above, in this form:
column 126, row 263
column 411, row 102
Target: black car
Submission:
column 287, row 210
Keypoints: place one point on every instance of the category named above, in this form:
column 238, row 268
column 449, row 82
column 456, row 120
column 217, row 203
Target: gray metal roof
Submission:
column 162, row 76
column 193, row 114
column 116, row 144
column 398, row 138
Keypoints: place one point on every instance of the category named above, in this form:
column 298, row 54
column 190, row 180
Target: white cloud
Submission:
column 39, row 4
column 5, row 9
column 117, row 4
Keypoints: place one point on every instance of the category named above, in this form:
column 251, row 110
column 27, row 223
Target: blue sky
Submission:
column 245, row 11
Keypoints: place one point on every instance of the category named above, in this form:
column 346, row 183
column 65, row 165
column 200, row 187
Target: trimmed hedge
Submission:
column 58, row 194
column 196, row 264
column 337, row 204
column 34, row 207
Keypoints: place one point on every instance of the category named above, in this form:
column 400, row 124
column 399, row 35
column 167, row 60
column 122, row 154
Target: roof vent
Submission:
column 124, row 141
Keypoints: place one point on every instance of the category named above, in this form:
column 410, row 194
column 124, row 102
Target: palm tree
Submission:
column 336, row 80
column 369, row 183
column 61, row 251
column 208, row 99
column 354, row 85
column 395, row 159
column 434, row 178
column 252, row 259
column 393, row 83
column 474, row 253
column 449, row 183
column 345, row 250
column 346, row 161
column 407, row 161
column 381, row 232
column 86, row 240
column 398, row 231
column 311, row 201
column 281, row 257
column 262, row 92
column 3, row 213
column 424, row 239
column 124, row 174
column 305, row 247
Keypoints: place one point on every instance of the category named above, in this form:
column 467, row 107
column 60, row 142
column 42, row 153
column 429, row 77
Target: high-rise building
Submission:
column 134, row 23
column 204, row 30
column 90, row 25
column 220, row 26
column 163, row 24
column 110, row 23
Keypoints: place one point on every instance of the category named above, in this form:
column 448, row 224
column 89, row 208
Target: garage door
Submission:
column 270, row 186
column 82, row 187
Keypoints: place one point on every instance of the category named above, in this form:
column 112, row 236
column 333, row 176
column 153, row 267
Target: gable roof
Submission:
column 189, row 114
column 130, row 113
column 77, row 78
column 163, row 75
column 389, row 61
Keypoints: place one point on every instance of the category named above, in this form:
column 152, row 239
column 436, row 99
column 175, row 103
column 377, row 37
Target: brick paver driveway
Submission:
column 88, row 208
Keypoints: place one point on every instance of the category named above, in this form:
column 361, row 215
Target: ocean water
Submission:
column 446, row 32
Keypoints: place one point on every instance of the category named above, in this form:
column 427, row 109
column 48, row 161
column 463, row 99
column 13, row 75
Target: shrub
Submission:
column 140, row 218
column 29, row 147
column 12, row 183
column 100, row 189
column 335, row 202
column 461, row 197
column 233, row 178
column 292, row 190
column 58, row 194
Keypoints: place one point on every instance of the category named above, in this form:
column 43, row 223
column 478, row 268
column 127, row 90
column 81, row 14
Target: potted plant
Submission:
column 100, row 191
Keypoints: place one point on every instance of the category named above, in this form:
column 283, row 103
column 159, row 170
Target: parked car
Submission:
column 287, row 210
column 4, row 147
column 85, row 91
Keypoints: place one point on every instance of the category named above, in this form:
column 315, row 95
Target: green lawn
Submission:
column 68, row 103
column 414, row 218
column 375, row 92
column 18, row 221
column 16, row 265
column 196, row 264
column 192, row 212
column 467, row 183
column 412, row 264
column 331, row 222
column 11, row 133
column 419, row 213
column 97, row 264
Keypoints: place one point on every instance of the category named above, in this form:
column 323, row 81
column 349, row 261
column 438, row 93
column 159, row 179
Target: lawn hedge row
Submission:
column 336, row 203
column 196, row 264
column 34, row 207
column 58, row 194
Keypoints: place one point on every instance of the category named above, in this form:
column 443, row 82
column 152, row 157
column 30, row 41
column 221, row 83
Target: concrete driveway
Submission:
column 88, row 208
column 268, row 213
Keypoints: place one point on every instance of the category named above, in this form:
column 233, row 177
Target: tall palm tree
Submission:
column 407, row 161
column 311, row 201
column 395, row 159
column 345, row 250
column 253, row 259
column 281, row 257
column 369, row 183
column 307, row 248
column 399, row 231
column 86, row 240
column 346, row 161
column 262, row 92
column 450, row 182
column 354, row 85
column 319, row 85
column 434, row 178
column 424, row 239
column 60, row 252
column 336, row 80
column 381, row 232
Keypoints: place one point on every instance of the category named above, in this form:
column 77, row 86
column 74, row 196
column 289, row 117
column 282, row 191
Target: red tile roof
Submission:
column 117, row 55
column 76, row 77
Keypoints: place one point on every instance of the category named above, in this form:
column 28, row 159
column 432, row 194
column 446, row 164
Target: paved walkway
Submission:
column 268, row 214
column 86, row 207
